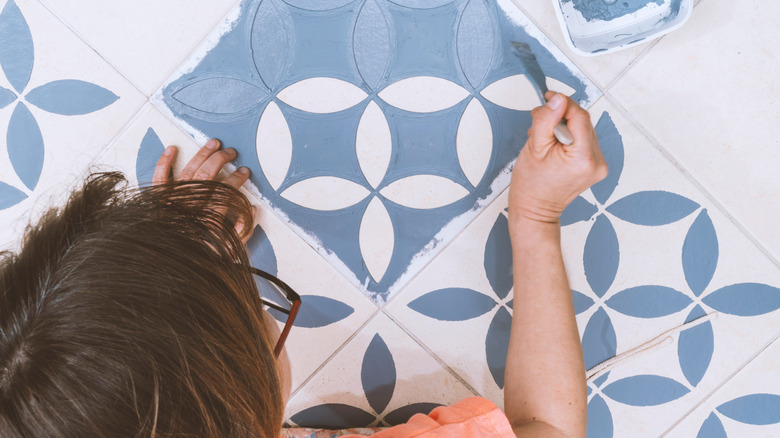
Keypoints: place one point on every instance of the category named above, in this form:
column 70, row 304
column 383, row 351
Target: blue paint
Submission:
column 611, row 144
column 700, row 253
column 645, row 390
column 261, row 252
column 579, row 210
column 453, row 304
column 581, row 302
column 602, row 255
column 475, row 41
column 649, row 301
column 607, row 10
column 497, row 345
column 70, row 97
column 16, row 52
column 370, row 44
column 220, row 95
column 6, row 97
column 695, row 348
column 599, row 342
column 601, row 380
column 745, row 299
column 150, row 151
column 10, row 196
column 498, row 258
column 653, row 208
column 378, row 374
column 25, row 146
column 712, row 428
column 758, row 409
column 318, row 311
column 599, row 423
column 333, row 416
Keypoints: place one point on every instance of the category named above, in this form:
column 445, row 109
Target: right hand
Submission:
column 548, row 174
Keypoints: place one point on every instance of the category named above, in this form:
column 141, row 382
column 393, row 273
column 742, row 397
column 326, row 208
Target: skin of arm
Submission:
column 545, row 389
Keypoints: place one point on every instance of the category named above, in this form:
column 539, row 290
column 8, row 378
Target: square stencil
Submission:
column 378, row 129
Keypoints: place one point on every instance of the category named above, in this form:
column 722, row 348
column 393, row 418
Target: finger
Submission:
column 578, row 122
column 162, row 170
column 237, row 178
column 545, row 119
column 197, row 161
column 213, row 164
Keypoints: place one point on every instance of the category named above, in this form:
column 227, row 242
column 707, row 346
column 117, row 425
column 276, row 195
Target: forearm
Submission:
column 545, row 375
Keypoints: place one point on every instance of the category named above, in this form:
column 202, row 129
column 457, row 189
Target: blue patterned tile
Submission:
column 417, row 66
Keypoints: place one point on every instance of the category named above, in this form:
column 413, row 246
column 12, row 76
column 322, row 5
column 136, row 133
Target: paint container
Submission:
column 594, row 27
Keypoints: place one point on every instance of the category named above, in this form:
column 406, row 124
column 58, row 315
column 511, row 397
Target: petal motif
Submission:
column 274, row 145
column 497, row 344
column 404, row 413
column 220, row 95
column 744, row 299
column 712, row 428
column 25, row 146
column 514, row 92
column 581, row 302
column 758, row 409
column 261, row 252
column 371, row 43
column 645, row 390
column 423, row 94
column 475, row 42
column 599, row 422
column 322, row 95
column 498, row 258
column 333, row 416
column 378, row 375
column 70, row 97
column 558, row 86
column 325, row 193
column 17, row 51
column 599, row 342
column 579, row 210
column 695, row 347
column 373, row 144
column 317, row 311
column 700, row 253
column 653, row 208
column 10, row 196
column 376, row 239
column 474, row 141
column 649, row 301
column 453, row 304
column 6, row 97
column 150, row 151
column 611, row 144
column 602, row 255
column 424, row 191
column 270, row 44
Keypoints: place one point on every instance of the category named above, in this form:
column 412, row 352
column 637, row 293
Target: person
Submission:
column 134, row 312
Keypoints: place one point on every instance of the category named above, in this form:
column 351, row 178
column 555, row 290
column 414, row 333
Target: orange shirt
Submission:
column 471, row 417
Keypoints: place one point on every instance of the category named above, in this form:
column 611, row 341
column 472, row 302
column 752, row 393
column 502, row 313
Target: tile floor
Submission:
column 380, row 136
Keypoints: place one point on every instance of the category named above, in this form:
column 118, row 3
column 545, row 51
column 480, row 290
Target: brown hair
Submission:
column 128, row 313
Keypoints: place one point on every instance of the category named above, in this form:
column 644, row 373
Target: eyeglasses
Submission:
column 282, row 301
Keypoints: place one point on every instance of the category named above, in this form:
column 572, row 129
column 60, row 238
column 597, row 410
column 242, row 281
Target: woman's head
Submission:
column 127, row 313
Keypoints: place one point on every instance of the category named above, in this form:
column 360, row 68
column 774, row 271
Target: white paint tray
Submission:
column 594, row 27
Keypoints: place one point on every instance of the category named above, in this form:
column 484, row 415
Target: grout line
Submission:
column 707, row 194
column 722, row 384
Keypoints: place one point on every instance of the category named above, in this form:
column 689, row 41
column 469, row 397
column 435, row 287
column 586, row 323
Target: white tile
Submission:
column 748, row 405
column 701, row 93
column 70, row 142
column 145, row 40
column 379, row 372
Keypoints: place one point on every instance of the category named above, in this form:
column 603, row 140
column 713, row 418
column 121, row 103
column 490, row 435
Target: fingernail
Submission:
column 169, row 150
column 555, row 102
column 244, row 170
column 212, row 144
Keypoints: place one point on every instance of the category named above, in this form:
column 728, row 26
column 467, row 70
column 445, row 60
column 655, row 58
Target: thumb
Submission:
column 545, row 119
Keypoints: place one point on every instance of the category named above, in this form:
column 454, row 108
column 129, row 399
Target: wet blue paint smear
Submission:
column 609, row 9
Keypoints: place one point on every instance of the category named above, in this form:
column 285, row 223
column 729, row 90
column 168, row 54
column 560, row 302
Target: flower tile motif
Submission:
column 371, row 118
column 67, row 97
